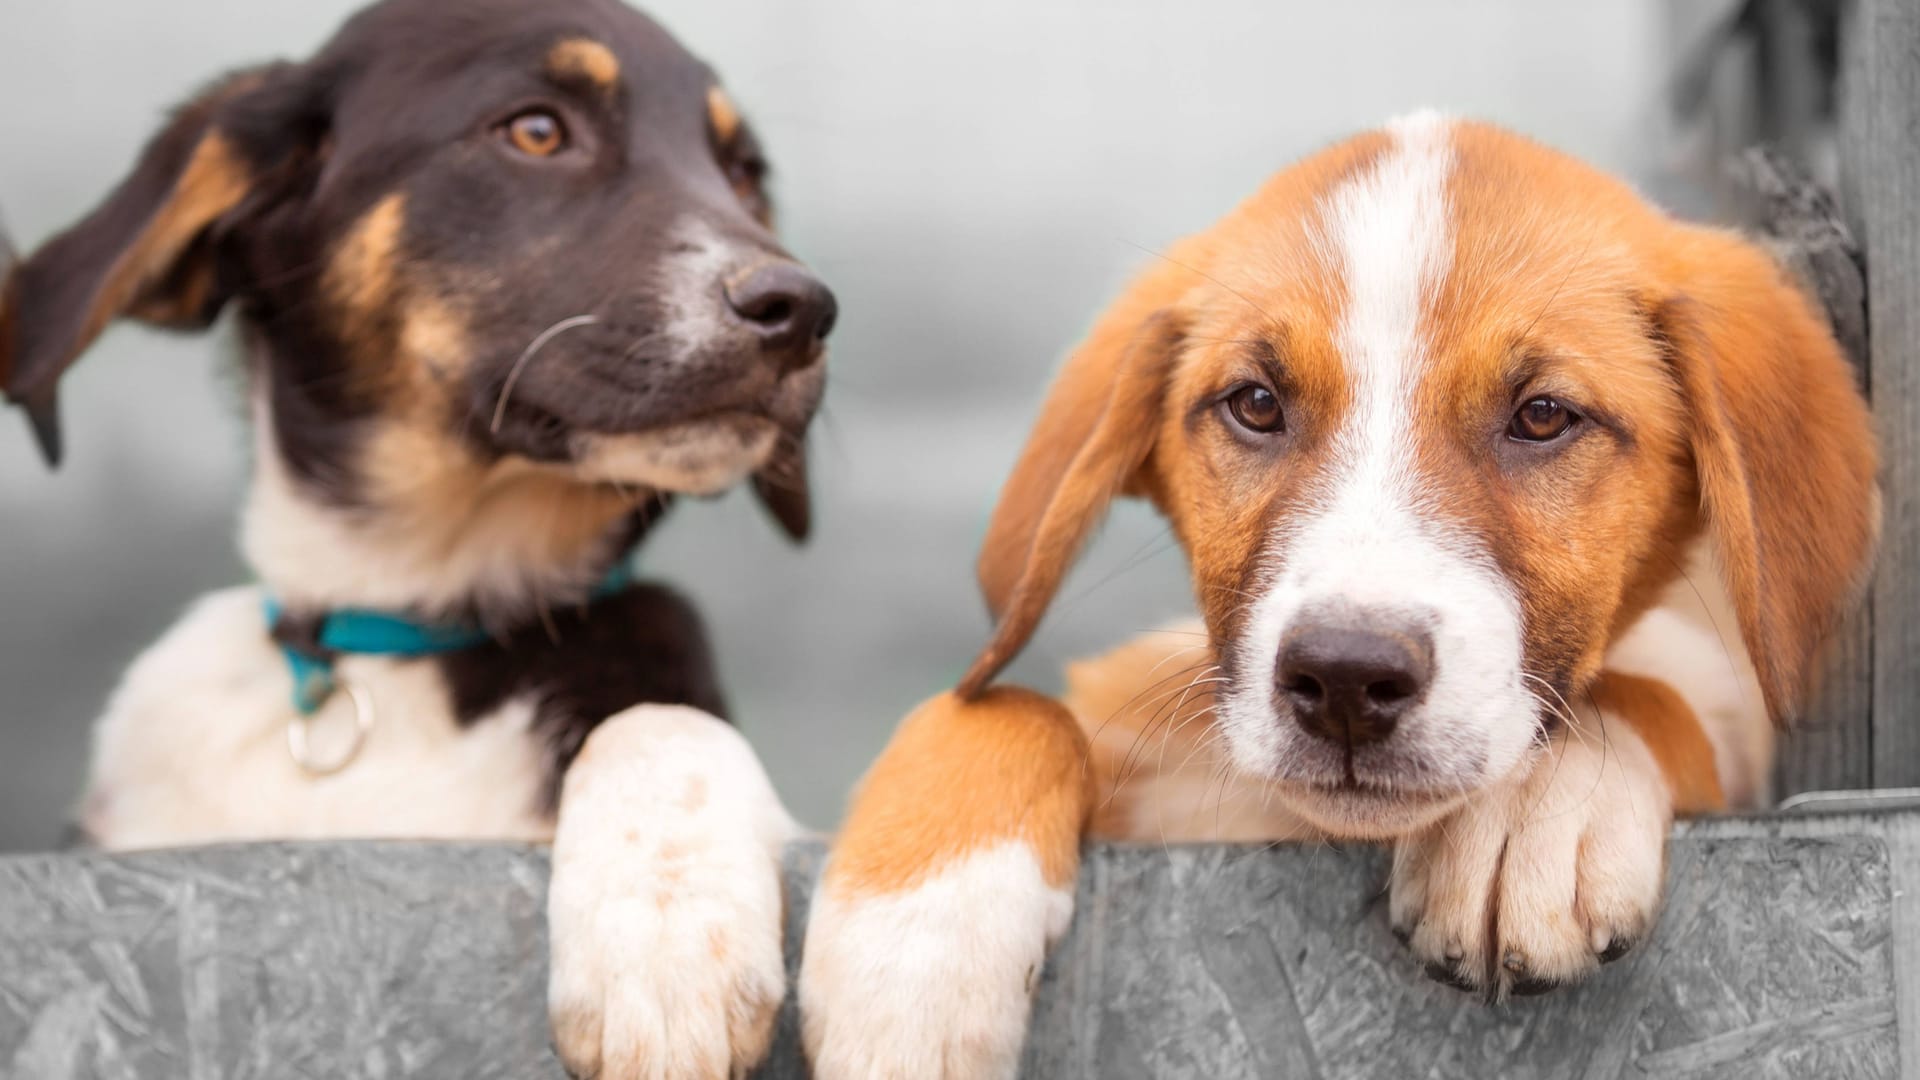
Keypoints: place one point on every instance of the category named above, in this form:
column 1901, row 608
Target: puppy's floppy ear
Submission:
column 1093, row 435
column 9, row 263
column 149, row 251
column 781, row 486
column 1783, row 447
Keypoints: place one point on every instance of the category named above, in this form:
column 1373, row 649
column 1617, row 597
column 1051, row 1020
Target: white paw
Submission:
column 934, row 981
column 1536, row 884
column 665, row 906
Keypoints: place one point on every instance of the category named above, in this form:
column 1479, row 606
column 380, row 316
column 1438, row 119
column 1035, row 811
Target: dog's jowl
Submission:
column 1516, row 512
column 507, row 285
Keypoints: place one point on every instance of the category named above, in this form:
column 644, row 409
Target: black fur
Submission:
column 645, row 645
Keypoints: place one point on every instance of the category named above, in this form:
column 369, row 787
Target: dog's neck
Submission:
column 499, row 545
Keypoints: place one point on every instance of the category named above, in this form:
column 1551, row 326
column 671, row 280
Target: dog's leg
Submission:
column 665, row 906
column 1535, row 883
column 952, row 876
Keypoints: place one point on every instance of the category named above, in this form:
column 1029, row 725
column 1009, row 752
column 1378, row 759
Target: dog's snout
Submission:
column 787, row 306
column 1349, row 680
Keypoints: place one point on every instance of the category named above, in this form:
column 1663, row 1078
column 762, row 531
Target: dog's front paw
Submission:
column 1536, row 884
column 933, row 981
column 665, row 906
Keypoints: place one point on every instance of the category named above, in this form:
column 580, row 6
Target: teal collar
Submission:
column 311, row 646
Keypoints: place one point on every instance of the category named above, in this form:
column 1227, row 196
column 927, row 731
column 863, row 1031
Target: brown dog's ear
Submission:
column 8, row 264
column 147, row 252
column 781, row 486
column 1093, row 435
column 1783, row 447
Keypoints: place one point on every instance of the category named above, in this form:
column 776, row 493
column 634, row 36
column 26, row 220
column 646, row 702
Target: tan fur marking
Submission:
column 722, row 114
column 441, row 502
column 1671, row 733
column 577, row 58
column 214, row 182
column 435, row 338
column 362, row 275
column 959, row 777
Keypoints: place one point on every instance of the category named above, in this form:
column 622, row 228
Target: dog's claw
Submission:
column 1532, row 987
column 1450, row 975
column 1616, row 949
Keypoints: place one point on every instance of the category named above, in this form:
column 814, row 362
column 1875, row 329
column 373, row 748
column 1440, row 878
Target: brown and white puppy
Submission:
column 1516, row 511
column 507, row 283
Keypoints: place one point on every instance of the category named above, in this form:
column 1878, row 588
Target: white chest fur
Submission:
column 193, row 748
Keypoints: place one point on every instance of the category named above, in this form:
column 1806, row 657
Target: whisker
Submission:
column 539, row 342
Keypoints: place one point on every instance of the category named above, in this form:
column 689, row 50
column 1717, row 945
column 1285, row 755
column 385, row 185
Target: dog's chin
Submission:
column 698, row 457
column 1367, row 811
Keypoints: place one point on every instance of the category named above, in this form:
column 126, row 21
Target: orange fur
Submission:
column 1101, row 465
column 959, row 776
column 1726, row 409
column 1783, row 444
column 1671, row 732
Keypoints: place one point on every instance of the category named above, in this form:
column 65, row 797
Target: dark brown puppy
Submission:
column 507, row 282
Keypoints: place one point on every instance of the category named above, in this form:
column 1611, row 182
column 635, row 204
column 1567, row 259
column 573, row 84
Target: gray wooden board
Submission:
column 1778, row 956
column 1880, row 189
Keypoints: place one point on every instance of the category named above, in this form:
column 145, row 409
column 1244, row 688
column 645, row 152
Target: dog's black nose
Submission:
column 787, row 306
column 1350, row 679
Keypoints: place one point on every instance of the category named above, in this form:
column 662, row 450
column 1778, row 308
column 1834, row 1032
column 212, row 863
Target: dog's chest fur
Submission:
column 193, row 744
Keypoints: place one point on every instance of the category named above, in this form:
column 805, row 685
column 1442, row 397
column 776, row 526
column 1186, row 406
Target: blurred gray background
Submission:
column 973, row 179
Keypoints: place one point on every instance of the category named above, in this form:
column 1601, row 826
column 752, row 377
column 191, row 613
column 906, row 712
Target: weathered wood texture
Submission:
column 1880, row 193
column 1832, row 747
column 1780, row 955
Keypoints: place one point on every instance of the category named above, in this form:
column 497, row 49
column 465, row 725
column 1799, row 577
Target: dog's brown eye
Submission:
column 747, row 176
column 537, row 133
column 1541, row 419
column 1257, row 409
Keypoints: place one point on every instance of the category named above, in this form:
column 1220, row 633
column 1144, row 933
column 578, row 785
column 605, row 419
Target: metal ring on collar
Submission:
column 298, row 730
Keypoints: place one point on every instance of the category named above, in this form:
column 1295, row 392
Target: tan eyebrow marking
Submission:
column 584, row 58
column 722, row 114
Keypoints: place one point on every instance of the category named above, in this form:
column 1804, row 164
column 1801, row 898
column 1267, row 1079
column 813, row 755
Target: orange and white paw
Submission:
column 665, row 906
column 1536, row 884
column 933, row 981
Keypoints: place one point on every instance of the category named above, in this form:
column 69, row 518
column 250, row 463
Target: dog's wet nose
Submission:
column 1350, row 680
column 788, row 307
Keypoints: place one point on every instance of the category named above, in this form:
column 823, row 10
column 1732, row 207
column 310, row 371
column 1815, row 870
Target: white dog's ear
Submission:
column 1783, row 448
column 1093, row 435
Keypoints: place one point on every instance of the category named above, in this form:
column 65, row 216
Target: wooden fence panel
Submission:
column 1880, row 192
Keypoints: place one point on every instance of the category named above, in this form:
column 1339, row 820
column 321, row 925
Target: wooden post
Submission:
column 1880, row 193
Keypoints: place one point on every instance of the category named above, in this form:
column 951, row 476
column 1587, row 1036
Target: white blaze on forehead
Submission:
column 1365, row 537
column 1386, row 233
